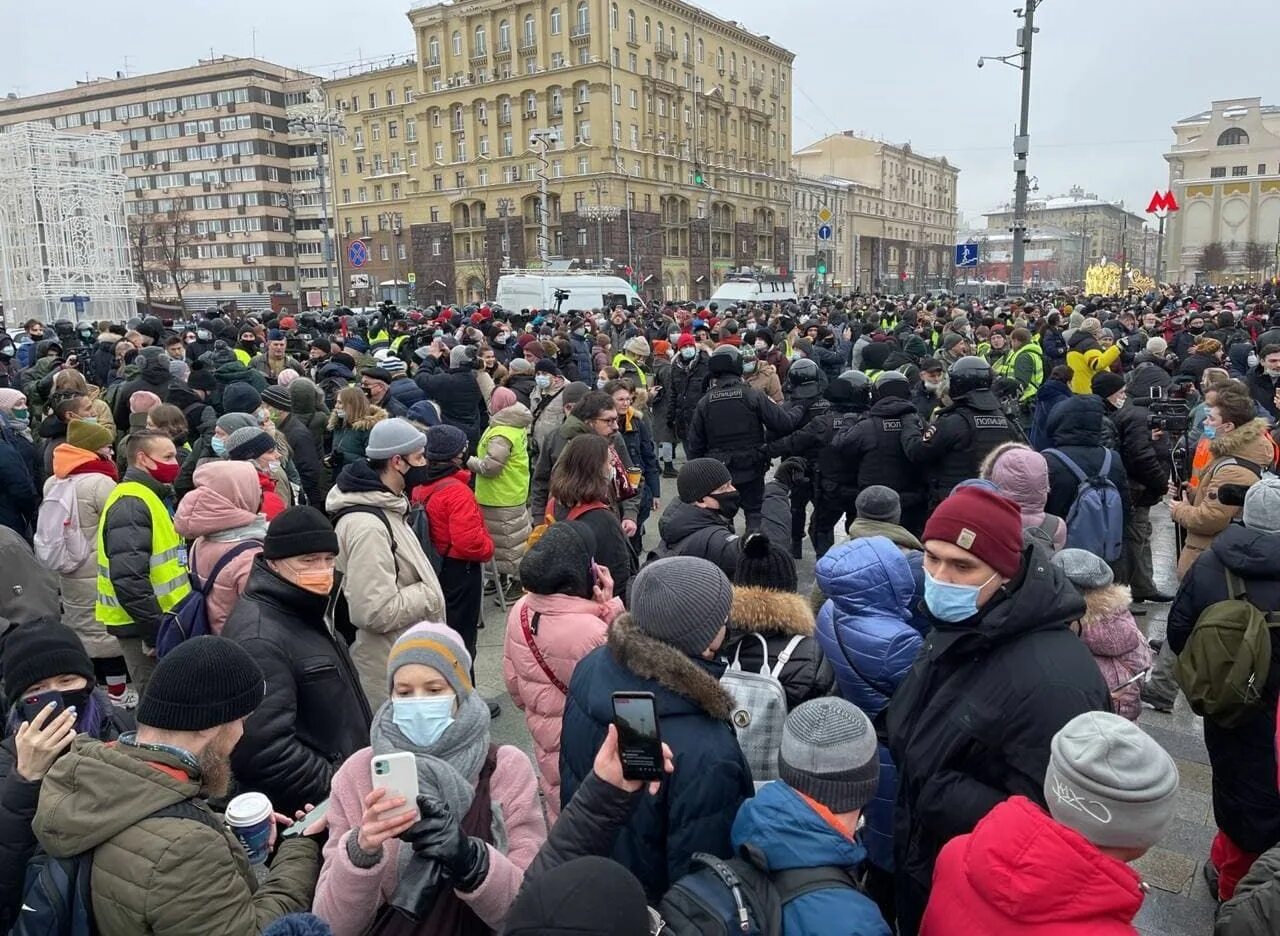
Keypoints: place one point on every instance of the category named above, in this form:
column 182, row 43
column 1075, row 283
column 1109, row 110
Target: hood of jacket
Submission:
column 768, row 612
column 516, row 415
column 358, row 484
column 790, row 833
column 235, row 372
column 306, row 397
column 892, row 407
column 573, row 427
column 674, row 671
column 95, row 791
column 1053, row 390
column 868, row 576
column 898, row 535
column 1248, row 553
column 153, row 366
column 1077, row 421
column 1103, row 627
column 226, row 495
column 681, row 520
column 1083, row 341
column 67, row 458
column 1032, row 870
column 335, row 370
column 1247, row 441
column 1021, row 473
column 51, row 427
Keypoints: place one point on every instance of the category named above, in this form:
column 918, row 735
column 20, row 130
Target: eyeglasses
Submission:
column 607, row 420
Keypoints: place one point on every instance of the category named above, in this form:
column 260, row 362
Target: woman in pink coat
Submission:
column 567, row 610
column 220, row 514
column 1022, row 474
column 456, row 866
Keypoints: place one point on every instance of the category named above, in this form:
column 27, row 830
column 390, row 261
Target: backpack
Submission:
column 740, row 895
column 56, row 897
column 60, row 543
column 191, row 617
column 1045, row 533
column 1227, row 659
column 420, row 522
column 550, row 517
column 1096, row 519
column 760, row 707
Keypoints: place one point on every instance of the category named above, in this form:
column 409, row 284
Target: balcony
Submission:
column 528, row 44
column 431, row 64
column 687, row 61
column 664, row 52
column 580, row 33
column 504, row 119
column 756, row 84
column 632, row 40
column 479, row 57
column 502, row 52
column 733, row 77
column 557, row 110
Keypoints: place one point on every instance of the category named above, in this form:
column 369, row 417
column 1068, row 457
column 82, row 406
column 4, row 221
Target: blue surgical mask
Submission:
column 1208, row 431
column 423, row 719
column 543, row 380
column 688, row 353
column 951, row 603
column 219, row 446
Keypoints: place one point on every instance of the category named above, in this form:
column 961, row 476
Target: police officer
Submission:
column 874, row 446
column 836, row 486
column 954, row 445
column 803, row 393
column 729, row 425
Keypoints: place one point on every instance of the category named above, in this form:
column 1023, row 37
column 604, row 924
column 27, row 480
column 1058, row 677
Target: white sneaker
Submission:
column 127, row 700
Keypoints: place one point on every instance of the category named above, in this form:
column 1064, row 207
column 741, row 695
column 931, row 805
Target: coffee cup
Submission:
column 249, row 818
column 634, row 476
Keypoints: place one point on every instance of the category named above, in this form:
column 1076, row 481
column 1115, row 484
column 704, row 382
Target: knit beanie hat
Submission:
column 38, row 650
column 559, row 563
column 1106, row 383
column 830, row 754
column 287, row 376
column 949, row 341
column 698, row 477
column 445, row 442
column 501, row 399
column 240, row 398
column 636, row 347
column 1075, row 320
column 1157, row 346
column 143, row 401
column 1110, row 781
column 1083, row 569
column 686, row 340
column 393, row 436
column 983, row 523
column 547, row 366
column 395, row 367
column 1092, row 326
column 248, row 444
column 202, row 683
column 437, row 646
column 573, row 392
column 879, row 503
column 10, row 398
column 88, row 436
column 682, row 601
column 233, row 421
column 460, row 356
column 299, row 531
column 764, row 564
column 521, row 366
column 590, row 896
column 201, row 378
column 179, row 370
column 278, row 397
column 1261, row 506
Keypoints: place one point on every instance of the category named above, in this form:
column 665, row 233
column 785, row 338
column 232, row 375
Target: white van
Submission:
column 738, row 289
column 586, row 291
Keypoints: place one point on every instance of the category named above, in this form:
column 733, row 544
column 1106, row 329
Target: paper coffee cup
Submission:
column 634, row 475
column 249, row 817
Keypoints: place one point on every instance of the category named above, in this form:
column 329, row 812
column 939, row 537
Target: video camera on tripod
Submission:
column 1169, row 411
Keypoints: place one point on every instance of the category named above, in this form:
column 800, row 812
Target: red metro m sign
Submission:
column 1162, row 202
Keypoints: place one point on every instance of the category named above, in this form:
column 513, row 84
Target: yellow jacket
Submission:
column 1087, row 363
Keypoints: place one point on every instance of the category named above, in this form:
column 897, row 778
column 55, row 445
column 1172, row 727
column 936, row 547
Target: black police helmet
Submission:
column 803, row 371
column 968, row 374
column 852, row 388
column 726, row 359
column 891, row 384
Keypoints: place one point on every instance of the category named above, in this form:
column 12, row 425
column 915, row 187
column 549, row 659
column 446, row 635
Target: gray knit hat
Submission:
column 1262, row 506
column 248, row 443
column 438, row 646
column 682, row 601
column 394, row 437
column 279, row 398
column 461, row 356
column 1084, row 569
column 699, row 477
column 521, row 366
column 233, row 421
column 877, row 502
column 1110, row 781
column 830, row 754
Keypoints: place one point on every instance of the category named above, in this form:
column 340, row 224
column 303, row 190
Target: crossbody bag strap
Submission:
column 538, row 658
column 785, row 656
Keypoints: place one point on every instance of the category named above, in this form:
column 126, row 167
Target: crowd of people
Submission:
column 253, row 558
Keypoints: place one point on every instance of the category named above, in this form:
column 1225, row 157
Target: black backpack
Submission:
column 56, row 898
column 740, row 895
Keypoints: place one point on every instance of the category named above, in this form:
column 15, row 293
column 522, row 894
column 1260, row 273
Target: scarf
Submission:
column 256, row 529
column 102, row 466
column 622, row 487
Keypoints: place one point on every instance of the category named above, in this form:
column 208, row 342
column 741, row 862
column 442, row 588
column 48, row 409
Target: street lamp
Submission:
column 599, row 214
column 315, row 121
column 391, row 219
column 504, row 212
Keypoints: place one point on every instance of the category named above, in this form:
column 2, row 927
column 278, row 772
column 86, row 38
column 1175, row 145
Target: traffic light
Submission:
column 822, row 264
column 698, row 178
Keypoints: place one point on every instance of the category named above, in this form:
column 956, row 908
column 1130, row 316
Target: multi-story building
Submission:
column 207, row 155
column 1052, row 256
column 1224, row 171
column 808, row 199
column 902, row 213
column 672, row 127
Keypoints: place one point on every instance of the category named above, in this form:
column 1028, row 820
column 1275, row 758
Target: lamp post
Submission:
column 599, row 214
column 504, row 212
column 391, row 219
column 318, row 123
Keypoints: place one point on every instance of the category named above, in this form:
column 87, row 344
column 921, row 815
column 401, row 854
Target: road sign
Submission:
column 824, row 215
column 1162, row 202
column 824, row 232
column 413, row 278
column 966, row 255
column 359, row 280
column 357, row 254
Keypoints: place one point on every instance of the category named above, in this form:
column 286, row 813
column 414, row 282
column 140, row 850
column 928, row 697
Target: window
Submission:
column 393, row 129
column 439, row 152
column 1233, row 136
column 633, row 98
column 555, row 21
column 435, row 215
column 631, row 61
column 635, row 137
column 411, row 130
column 433, row 50
column 1239, row 170
column 531, row 104
column 1218, row 172
column 582, row 21
column 413, row 157
column 359, row 165
column 530, row 31
column 384, row 253
column 373, row 100
column 408, row 95
column 437, row 183
column 584, row 165
column 702, row 52
column 617, row 94
column 631, row 25
column 402, row 251
column 617, row 131
column 506, row 143
column 478, row 48
column 484, row 146
column 435, row 246
column 377, row 193
column 482, row 177
column 648, row 32
column 457, row 42
column 435, row 118
column 375, row 131
column 1262, row 168
column 613, row 16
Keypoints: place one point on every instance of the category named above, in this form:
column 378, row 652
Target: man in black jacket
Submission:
column 1000, row 673
column 153, row 375
column 314, row 715
column 458, row 394
column 302, row 444
column 690, row 375
column 1264, row 380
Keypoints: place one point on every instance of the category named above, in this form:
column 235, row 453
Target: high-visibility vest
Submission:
column 619, row 358
column 1005, row 368
column 398, row 341
column 871, row 373
column 242, row 356
column 169, row 577
column 510, row 488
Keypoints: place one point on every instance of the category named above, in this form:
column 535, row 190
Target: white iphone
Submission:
column 398, row 774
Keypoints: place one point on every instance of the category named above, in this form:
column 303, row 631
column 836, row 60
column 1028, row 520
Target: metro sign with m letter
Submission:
column 1162, row 203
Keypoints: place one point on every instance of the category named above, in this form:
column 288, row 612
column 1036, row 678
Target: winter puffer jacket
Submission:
column 1255, row 908
column 1074, row 429
column 865, row 629
column 1022, row 474
column 153, row 375
column 1147, row 461
column 1086, row 358
column 778, row 617
column 1118, row 647
column 565, row 629
column 1048, row 397
column 1020, row 873
column 688, row 530
column 220, row 514
column 509, row 527
column 351, row 438
column 457, row 526
column 461, row 403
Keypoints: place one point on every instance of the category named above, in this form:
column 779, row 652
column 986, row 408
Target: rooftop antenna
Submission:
column 254, row 35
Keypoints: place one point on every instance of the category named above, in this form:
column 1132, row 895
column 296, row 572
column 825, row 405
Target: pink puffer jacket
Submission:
column 568, row 628
column 1112, row 636
column 226, row 497
column 1023, row 475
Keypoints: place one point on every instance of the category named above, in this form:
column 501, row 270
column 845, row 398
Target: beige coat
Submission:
column 387, row 593
column 508, row 527
column 765, row 379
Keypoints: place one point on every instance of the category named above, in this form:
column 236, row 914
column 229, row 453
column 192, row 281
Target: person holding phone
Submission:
column 50, row 698
column 454, row 861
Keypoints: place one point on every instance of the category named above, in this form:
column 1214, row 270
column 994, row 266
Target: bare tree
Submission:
column 175, row 239
column 1256, row 257
column 140, row 253
column 1213, row 258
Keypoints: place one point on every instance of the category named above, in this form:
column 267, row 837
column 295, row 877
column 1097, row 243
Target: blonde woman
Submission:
column 352, row 418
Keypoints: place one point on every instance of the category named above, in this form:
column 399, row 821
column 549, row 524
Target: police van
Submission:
column 568, row 290
column 754, row 287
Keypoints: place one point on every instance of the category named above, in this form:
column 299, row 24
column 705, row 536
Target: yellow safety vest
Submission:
column 871, row 373
column 1007, row 365
column 242, row 356
column 169, row 577
column 620, row 357
column 510, row 488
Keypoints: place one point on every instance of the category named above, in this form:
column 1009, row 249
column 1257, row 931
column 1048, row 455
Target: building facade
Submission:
column 1052, row 256
column 902, row 209
column 671, row 131
column 207, row 156
column 1224, row 171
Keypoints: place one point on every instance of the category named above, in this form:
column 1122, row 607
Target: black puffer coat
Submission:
column 778, row 617
column 315, row 714
column 153, row 365
column 1075, row 426
column 1246, row 804
column 970, row 725
column 689, row 530
column 689, row 382
column 1147, row 461
column 461, row 403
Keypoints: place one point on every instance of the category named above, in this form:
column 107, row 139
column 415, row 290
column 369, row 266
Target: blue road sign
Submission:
column 824, row 232
column 79, row 301
column 966, row 255
column 357, row 254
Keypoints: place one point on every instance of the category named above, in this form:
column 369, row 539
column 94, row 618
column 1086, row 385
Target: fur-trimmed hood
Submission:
column 1103, row 603
column 1240, row 440
column 1103, row 627
column 768, row 612
column 652, row 659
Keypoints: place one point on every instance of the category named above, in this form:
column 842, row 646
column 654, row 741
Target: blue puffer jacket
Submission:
column 787, row 831
column 581, row 346
column 865, row 630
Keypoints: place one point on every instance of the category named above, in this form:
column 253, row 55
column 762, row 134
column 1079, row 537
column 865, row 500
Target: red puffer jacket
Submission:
column 457, row 526
column 1019, row 873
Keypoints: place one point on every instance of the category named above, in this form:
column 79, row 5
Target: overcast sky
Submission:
column 1109, row 76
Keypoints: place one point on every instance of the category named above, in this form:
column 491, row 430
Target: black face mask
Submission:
column 729, row 501
column 416, row 475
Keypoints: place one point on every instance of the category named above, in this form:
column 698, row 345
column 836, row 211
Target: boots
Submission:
column 669, row 470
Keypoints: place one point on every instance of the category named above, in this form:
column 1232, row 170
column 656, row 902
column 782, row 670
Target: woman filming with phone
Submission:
column 431, row 827
column 50, row 697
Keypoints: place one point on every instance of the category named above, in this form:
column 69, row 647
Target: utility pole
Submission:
column 504, row 212
column 1021, row 146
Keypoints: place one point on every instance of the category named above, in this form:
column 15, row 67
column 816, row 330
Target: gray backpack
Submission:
column 760, row 707
column 1096, row 519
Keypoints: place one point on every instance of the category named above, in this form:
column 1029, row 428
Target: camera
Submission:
column 1169, row 411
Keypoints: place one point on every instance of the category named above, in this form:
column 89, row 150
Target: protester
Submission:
column 303, row 451
column 580, row 487
column 351, row 421
column 1022, row 475
column 1076, row 431
column 501, row 469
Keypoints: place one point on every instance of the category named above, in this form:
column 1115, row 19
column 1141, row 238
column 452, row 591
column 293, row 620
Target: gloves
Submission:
column 437, row 836
column 790, row 471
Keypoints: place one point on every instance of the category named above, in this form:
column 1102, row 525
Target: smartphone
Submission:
column 639, row 744
column 397, row 773
column 32, row 705
column 306, row 821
